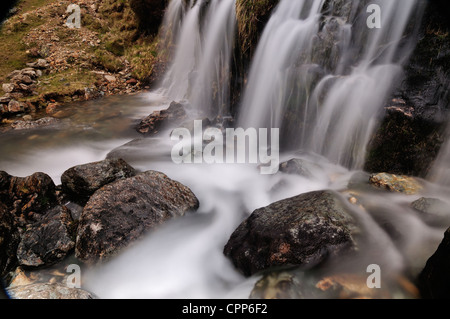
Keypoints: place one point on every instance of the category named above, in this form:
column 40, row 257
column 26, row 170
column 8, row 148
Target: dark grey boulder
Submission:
column 47, row 241
column 302, row 230
column 81, row 181
column 121, row 212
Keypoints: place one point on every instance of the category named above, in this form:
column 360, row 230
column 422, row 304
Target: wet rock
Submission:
column 175, row 114
column 278, row 285
column 296, row 166
column 81, row 181
column 354, row 286
column 396, row 183
column 149, row 13
column 434, row 280
column 47, row 122
column 48, row 291
column 29, row 197
column 302, row 230
column 433, row 211
column 47, row 241
column 404, row 144
column 122, row 211
column 9, row 240
column 409, row 144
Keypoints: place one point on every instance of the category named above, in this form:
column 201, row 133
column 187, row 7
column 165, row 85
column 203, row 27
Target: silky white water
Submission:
column 200, row 69
column 324, row 79
column 332, row 100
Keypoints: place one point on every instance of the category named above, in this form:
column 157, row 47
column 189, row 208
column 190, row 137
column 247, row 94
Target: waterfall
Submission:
column 322, row 75
column 319, row 73
column 200, row 69
column 440, row 170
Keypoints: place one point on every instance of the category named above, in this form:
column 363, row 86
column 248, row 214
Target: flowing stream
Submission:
column 321, row 78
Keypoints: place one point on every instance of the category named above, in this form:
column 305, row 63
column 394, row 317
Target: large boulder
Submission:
column 47, row 241
column 302, row 230
column 434, row 280
column 81, row 181
column 411, row 133
column 121, row 212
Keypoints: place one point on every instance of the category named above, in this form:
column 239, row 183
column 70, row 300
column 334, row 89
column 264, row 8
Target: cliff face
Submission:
column 414, row 125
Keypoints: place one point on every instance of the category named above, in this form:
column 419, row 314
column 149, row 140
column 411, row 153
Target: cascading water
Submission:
column 319, row 74
column 322, row 75
column 440, row 171
column 201, row 67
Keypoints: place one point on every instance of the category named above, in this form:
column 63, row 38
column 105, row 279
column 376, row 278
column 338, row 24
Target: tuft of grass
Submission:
column 143, row 56
column 107, row 61
column 13, row 54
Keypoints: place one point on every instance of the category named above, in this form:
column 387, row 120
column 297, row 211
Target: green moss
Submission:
column 66, row 82
column 13, row 54
column 107, row 61
column 143, row 56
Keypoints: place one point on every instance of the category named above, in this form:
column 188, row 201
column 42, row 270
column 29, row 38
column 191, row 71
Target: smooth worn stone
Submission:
column 396, row 183
column 302, row 230
column 121, row 212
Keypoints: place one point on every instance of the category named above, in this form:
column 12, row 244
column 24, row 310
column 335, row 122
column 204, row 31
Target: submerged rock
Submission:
column 302, row 230
column 48, row 291
column 124, row 210
column 278, row 285
column 45, row 122
column 159, row 120
column 296, row 166
column 396, row 183
column 298, row 284
column 47, row 241
column 433, row 210
column 81, row 181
